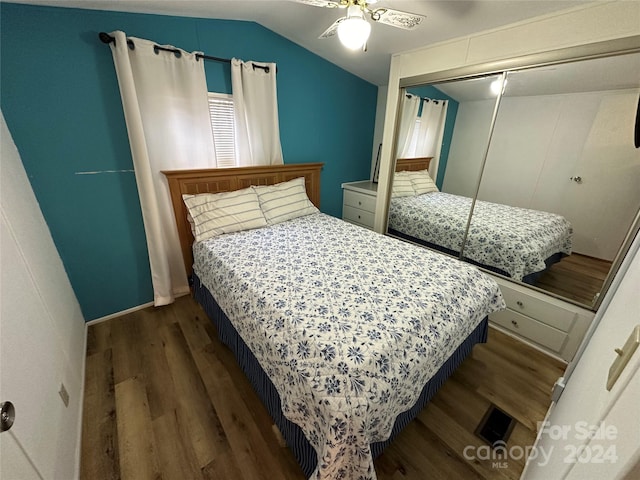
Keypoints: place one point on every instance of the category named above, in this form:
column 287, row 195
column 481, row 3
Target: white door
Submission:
column 14, row 463
column 592, row 170
column 593, row 433
column 41, row 336
column 570, row 154
column 29, row 364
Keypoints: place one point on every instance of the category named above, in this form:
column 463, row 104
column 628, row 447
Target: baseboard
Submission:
column 119, row 314
column 129, row 310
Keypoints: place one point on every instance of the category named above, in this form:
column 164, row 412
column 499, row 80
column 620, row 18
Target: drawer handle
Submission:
column 514, row 323
column 358, row 217
column 520, row 304
column 359, row 202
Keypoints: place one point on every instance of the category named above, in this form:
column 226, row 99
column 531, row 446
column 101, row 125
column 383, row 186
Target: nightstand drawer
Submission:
column 553, row 315
column 360, row 201
column 355, row 215
column 531, row 329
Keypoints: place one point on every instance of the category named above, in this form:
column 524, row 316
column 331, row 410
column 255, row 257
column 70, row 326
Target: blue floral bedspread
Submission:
column 348, row 324
column 514, row 240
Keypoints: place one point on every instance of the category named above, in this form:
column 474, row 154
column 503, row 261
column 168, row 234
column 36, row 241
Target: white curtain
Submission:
column 255, row 102
column 409, row 113
column 430, row 132
column 164, row 97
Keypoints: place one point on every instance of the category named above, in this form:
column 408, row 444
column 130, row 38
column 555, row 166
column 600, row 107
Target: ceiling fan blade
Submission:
column 332, row 30
column 396, row 18
column 319, row 3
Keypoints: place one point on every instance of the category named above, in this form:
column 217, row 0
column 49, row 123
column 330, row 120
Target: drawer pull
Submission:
column 514, row 323
column 359, row 202
column 520, row 304
column 358, row 217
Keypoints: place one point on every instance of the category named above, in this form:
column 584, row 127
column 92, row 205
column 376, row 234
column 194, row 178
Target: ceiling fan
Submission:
column 353, row 29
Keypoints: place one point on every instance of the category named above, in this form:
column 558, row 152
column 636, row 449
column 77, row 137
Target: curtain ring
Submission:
column 266, row 69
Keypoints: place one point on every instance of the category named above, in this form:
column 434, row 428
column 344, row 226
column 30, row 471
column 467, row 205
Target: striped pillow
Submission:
column 217, row 213
column 422, row 182
column 402, row 186
column 284, row 201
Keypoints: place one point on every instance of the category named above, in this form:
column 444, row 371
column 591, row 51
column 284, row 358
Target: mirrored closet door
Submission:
column 439, row 220
column 538, row 168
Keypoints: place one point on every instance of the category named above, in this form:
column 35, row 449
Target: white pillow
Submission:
column 402, row 186
column 192, row 224
column 217, row 213
column 422, row 182
column 284, row 201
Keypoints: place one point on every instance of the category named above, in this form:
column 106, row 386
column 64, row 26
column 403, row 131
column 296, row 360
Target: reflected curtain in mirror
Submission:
column 408, row 114
column 429, row 132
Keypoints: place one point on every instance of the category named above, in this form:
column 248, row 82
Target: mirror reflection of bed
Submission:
column 524, row 245
column 557, row 191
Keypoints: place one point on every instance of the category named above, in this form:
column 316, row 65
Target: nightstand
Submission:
column 359, row 203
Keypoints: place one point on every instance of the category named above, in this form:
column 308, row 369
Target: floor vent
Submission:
column 496, row 426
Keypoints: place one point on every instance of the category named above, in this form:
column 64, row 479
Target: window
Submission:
column 223, row 126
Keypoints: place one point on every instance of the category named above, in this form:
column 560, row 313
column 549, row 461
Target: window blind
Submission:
column 221, row 113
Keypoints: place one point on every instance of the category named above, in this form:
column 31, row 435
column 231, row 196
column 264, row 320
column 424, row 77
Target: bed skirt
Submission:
column 303, row 451
column 530, row 279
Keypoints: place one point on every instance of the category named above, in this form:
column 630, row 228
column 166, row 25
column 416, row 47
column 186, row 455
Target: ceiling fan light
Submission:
column 353, row 32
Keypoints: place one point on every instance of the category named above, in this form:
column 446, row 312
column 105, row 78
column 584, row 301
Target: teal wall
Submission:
column 60, row 98
column 430, row 91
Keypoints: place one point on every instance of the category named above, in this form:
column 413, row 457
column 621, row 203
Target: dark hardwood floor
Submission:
column 577, row 277
column 164, row 399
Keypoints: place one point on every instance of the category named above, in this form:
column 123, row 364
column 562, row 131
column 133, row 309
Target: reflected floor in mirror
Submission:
column 577, row 277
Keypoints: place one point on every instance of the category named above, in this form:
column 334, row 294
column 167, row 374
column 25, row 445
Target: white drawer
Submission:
column 531, row 329
column 355, row 215
column 360, row 201
column 541, row 310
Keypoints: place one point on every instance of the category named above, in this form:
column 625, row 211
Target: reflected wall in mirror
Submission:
column 559, row 174
column 562, row 152
column 437, row 215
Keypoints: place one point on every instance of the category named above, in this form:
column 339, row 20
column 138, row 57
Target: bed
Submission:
column 515, row 242
column 345, row 334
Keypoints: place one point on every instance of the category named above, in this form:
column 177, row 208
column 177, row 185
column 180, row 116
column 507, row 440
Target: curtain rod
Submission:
column 106, row 38
column 409, row 95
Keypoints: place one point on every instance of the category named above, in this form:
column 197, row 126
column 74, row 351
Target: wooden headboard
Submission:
column 216, row 180
column 412, row 164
